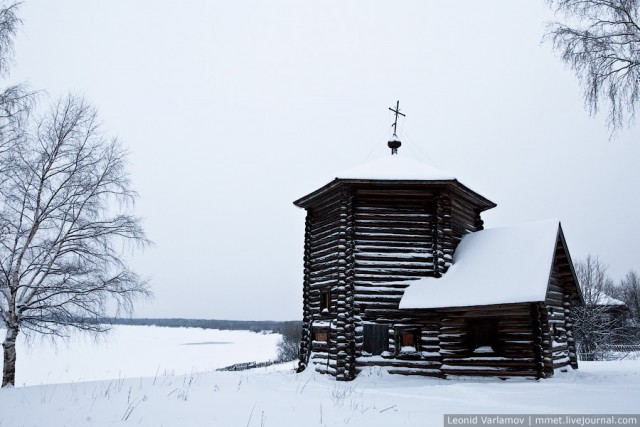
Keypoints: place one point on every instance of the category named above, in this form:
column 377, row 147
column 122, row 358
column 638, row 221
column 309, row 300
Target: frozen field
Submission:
column 139, row 351
column 274, row 396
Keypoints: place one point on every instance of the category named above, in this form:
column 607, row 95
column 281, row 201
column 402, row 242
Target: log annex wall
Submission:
column 364, row 242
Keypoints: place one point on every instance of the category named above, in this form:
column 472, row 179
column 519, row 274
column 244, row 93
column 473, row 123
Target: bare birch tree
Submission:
column 15, row 100
column 602, row 47
column 595, row 323
column 288, row 346
column 64, row 212
column 629, row 292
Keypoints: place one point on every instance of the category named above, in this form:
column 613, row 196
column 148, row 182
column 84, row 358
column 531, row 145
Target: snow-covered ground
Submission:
column 276, row 396
column 138, row 351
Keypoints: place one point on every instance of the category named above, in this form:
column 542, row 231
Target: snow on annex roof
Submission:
column 494, row 266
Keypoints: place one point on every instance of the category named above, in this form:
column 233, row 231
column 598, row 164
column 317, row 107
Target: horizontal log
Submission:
column 330, row 230
column 326, row 248
column 518, row 353
column 420, row 224
column 371, row 233
column 393, row 239
column 322, row 244
column 369, row 258
column 514, row 329
column 522, row 309
column 372, row 292
column 396, row 315
column 363, row 285
column 393, row 273
column 377, row 298
column 382, row 249
column 398, row 248
column 382, row 280
column 391, row 265
column 421, row 194
column 465, row 362
column 326, row 222
column 502, row 373
column 328, row 209
column 396, row 205
column 324, row 268
column 323, row 282
column 415, row 364
column 421, row 372
column 327, row 273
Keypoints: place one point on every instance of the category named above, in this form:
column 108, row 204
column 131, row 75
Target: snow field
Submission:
column 279, row 397
column 271, row 397
column 138, row 351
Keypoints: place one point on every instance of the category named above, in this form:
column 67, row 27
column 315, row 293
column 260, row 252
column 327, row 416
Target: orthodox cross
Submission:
column 395, row 143
column 397, row 111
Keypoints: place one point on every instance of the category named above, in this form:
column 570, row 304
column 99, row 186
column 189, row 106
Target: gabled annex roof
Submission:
column 494, row 266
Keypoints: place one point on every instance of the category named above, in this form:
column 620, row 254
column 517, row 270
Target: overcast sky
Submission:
column 232, row 110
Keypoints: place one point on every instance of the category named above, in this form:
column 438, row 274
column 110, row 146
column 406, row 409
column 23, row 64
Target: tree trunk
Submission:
column 9, row 345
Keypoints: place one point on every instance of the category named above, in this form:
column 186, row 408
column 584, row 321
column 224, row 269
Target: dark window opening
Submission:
column 483, row 337
column 376, row 338
column 325, row 301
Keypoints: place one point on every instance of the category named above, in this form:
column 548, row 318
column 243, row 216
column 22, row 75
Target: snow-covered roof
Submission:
column 604, row 299
column 493, row 266
column 396, row 167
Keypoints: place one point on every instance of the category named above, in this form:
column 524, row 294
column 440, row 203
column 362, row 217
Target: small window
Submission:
column 325, row 301
column 321, row 335
column 483, row 337
column 408, row 341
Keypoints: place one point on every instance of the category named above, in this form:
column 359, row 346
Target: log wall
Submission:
column 401, row 236
column 444, row 342
column 363, row 244
column 570, row 296
column 329, row 268
column 424, row 359
column 306, row 337
column 514, row 356
column 343, row 351
column 323, row 266
column 558, row 345
column 394, row 242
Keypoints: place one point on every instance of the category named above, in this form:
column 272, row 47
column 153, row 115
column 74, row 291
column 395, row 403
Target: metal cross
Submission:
column 397, row 111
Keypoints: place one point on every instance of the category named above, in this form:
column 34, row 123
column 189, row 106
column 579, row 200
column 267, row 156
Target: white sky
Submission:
column 232, row 110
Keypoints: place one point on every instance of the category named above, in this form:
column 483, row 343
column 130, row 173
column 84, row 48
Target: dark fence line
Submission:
column 622, row 347
column 609, row 352
column 247, row 365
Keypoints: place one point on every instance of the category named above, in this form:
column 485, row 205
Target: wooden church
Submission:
column 400, row 273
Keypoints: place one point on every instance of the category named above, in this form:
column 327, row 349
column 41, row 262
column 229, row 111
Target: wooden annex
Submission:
column 385, row 284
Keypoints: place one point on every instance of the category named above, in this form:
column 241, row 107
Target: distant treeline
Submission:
column 243, row 325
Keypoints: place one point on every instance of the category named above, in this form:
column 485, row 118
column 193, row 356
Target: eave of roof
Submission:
column 396, row 170
column 457, row 187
